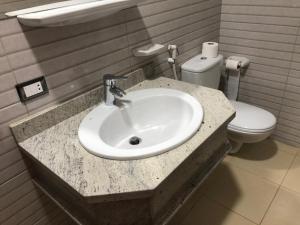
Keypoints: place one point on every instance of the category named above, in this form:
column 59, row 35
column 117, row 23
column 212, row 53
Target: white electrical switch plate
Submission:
column 33, row 89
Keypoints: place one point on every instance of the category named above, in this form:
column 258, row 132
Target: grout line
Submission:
column 195, row 14
column 45, row 205
column 242, row 48
column 245, row 14
column 14, row 178
column 261, row 178
column 71, row 39
column 236, row 20
column 256, row 175
column 229, row 209
column 288, row 75
column 17, row 162
column 273, row 106
column 270, row 204
column 259, row 32
column 279, row 187
column 237, row 39
column 257, row 91
column 38, row 197
column 291, row 142
column 173, row 9
column 129, row 50
column 16, row 200
column 100, row 43
column 261, row 5
column 287, row 138
column 208, row 18
column 68, row 36
column 290, row 166
column 256, row 23
column 68, row 53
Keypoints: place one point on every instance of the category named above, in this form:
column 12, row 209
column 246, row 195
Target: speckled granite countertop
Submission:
column 58, row 148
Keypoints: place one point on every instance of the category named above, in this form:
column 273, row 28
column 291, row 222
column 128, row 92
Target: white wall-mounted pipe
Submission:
column 173, row 49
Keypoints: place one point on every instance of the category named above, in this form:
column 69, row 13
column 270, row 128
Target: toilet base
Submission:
column 235, row 147
column 237, row 139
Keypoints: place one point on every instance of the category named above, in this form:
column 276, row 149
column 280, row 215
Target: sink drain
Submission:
column 135, row 140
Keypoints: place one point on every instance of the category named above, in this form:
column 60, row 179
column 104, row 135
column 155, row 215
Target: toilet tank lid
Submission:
column 200, row 63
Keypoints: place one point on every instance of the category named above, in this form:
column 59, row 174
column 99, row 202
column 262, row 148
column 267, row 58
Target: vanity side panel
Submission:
column 174, row 190
column 126, row 212
column 82, row 212
column 63, row 195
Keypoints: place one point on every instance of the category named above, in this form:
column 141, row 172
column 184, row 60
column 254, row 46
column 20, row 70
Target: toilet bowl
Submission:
column 251, row 124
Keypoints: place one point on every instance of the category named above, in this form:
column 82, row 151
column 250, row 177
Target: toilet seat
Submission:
column 251, row 119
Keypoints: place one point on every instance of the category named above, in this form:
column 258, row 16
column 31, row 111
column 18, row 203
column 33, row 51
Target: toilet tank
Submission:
column 203, row 71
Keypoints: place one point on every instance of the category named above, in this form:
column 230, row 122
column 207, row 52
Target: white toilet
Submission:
column 251, row 124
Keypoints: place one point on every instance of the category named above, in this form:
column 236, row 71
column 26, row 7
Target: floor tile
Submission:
column 241, row 191
column 292, row 179
column 207, row 212
column 284, row 209
column 268, row 159
column 285, row 147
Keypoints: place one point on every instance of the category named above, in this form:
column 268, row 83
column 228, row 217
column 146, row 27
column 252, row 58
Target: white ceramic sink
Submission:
column 148, row 122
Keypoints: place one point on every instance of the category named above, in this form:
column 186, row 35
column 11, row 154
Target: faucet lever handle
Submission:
column 117, row 91
column 114, row 77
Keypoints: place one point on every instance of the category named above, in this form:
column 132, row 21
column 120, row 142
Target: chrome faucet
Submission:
column 111, row 90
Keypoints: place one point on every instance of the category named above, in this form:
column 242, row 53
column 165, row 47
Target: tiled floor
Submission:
column 260, row 185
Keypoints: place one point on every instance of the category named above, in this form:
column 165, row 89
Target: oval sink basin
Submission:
column 147, row 122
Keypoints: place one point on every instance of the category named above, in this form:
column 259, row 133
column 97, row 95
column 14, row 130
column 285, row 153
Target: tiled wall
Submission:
column 268, row 33
column 73, row 59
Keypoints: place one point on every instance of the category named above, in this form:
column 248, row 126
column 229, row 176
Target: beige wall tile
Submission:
column 261, row 10
column 9, row 158
column 260, row 19
column 268, row 28
column 12, row 171
column 17, row 206
column 266, row 33
column 14, row 183
column 8, row 98
column 7, row 82
column 11, row 112
column 257, row 44
column 10, row 26
column 258, row 2
column 4, row 65
column 65, row 61
column 18, row 41
column 56, row 49
column 283, row 38
column 7, row 144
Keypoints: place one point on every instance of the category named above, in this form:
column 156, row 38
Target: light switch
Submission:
column 32, row 89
